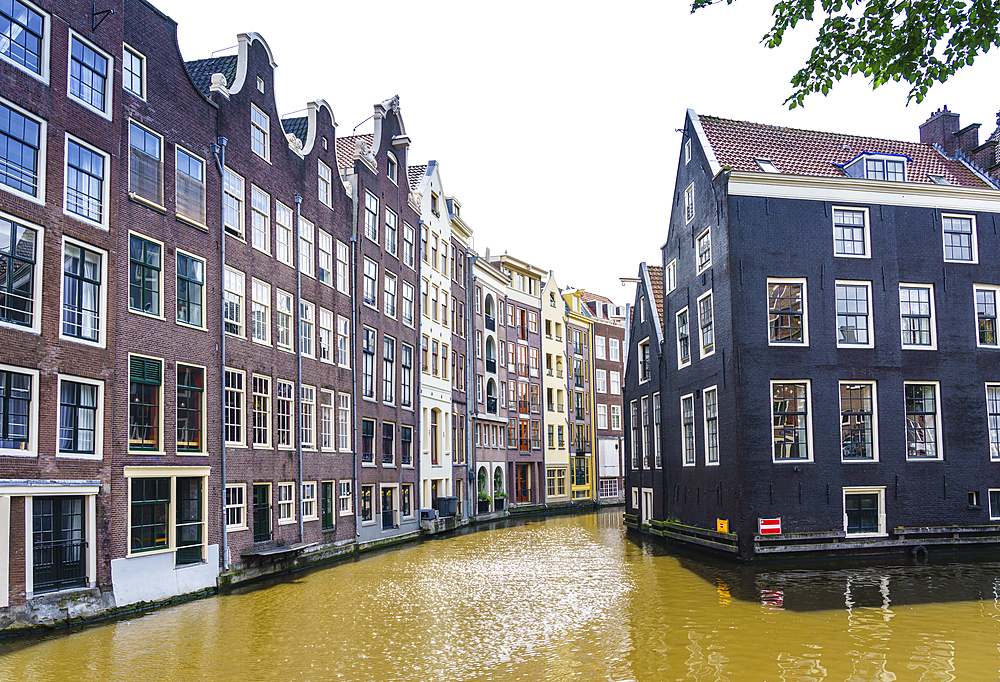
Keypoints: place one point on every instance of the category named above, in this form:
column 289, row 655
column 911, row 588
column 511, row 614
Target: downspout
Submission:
column 353, row 285
column 219, row 152
column 298, row 354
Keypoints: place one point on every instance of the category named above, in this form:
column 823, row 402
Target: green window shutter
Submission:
column 145, row 371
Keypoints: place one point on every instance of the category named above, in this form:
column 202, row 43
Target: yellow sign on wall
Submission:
column 722, row 525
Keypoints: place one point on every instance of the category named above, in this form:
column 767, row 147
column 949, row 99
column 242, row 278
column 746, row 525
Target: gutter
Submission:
column 219, row 152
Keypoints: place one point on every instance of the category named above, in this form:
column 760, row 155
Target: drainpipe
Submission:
column 219, row 152
column 298, row 354
column 353, row 284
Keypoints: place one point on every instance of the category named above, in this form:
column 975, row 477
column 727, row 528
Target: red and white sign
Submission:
column 769, row 526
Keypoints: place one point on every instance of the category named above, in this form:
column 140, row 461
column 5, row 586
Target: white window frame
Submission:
column 867, row 230
column 43, row 130
column 938, row 430
column 601, row 381
column 366, row 277
column 236, row 275
column 614, row 383
column 391, row 232
column 265, row 302
column 126, row 48
column 202, row 219
column 778, row 281
column 701, row 341
column 868, row 490
column 324, row 248
column 281, row 296
column 687, row 152
column 32, row 449
column 343, row 273
column 994, row 513
column 343, row 334
column 616, row 418
column 238, row 230
column 875, row 450
column 389, row 296
column 267, row 411
column 930, row 288
column 285, row 488
column 204, row 284
column 264, row 129
column 703, row 235
column 689, row 204
column 242, row 391
column 392, row 168
column 36, row 278
column 159, row 315
column 638, row 357
column 98, row 418
column 289, row 400
column 260, row 239
column 614, row 349
column 307, row 323
column 602, row 416
column 109, row 80
column 343, row 425
column 284, row 246
column 307, row 247
column 162, row 163
column 309, row 503
column 307, row 417
column 44, row 49
column 173, row 473
column 693, row 459
column 105, row 189
column 102, row 306
column 809, row 420
column 327, row 421
column 871, row 317
column 670, row 277
column 704, row 418
column 241, row 506
column 677, row 336
column 345, row 498
column 324, row 183
column 326, row 337
column 976, row 288
column 160, row 407
column 975, row 238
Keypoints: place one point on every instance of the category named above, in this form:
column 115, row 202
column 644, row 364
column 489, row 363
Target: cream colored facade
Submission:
column 554, row 388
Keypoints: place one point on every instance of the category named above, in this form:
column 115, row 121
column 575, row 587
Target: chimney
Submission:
column 940, row 128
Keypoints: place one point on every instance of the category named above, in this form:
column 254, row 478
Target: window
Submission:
column 260, row 219
column 706, row 322
column 368, row 441
column 309, row 502
column 325, row 258
column 236, row 507
column 368, row 364
column 260, row 313
column 80, row 425
column 853, row 314
column 687, row 430
column 371, row 283
column 916, row 311
column 283, row 321
column 343, row 278
column 689, row 203
column 986, row 314
column 145, row 379
column 190, row 408
column 858, row 430
column 24, row 31
column 601, row 381
column 86, row 191
column 406, row 445
column 261, row 512
column 786, row 307
column 687, row 151
column 325, row 183
column 683, row 339
column 602, row 416
column 83, row 298
column 307, row 239
column 864, row 512
column 670, row 277
column 923, row 421
column 88, row 76
column 232, row 203
column 233, row 305
column 145, row 164
column 392, row 168
column 711, row 396
column 260, row 127
column 307, row 417
column 190, row 289
column 260, row 84
column 409, row 238
column 616, row 383
column 389, row 295
column 325, row 335
column 407, row 313
column 283, row 233
column 406, row 377
column 371, row 217
column 885, row 169
column 144, row 275
column 598, row 347
column 286, row 503
column 704, row 250
column 343, row 341
column 644, row 368
column 792, row 428
column 391, row 232
column 190, row 187
column 993, row 418
column 307, row 328
column 235, row 398
column 616, row 418
column 284, row 400
column 959, row 239
column 261, row 411
column 346, row 502
column 21, row 139
column 613, row 353
column 149, row 512
column 850, row 233
column 326, row 431
column 344, row 422
column 389, row 441
column 388, row 368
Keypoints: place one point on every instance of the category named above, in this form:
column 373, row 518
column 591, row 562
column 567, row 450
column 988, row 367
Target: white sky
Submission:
column 554, row 122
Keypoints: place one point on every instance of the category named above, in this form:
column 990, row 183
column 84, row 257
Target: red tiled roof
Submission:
column 346, row 147
column 806, row 152
column 414, row 173
column 656, row 281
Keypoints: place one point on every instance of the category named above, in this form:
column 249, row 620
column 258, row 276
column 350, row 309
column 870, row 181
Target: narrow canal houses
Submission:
column 558, row 433
column 829, row 367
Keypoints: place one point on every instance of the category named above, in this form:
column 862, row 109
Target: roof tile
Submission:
column 656, row 281
column 347, row 145
column 201, row 71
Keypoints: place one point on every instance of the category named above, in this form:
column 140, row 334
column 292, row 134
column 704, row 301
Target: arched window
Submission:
column 434, row 437
column 497, row 480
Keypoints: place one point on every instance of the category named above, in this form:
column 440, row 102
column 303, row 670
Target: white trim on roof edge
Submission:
column 853, row 191
column 703, row 140
column 245, row 41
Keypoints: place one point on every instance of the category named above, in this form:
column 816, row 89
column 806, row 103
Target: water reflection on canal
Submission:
column 568, row 598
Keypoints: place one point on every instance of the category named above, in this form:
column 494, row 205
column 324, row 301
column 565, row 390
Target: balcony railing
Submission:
column 578, row 381
column 491, row 365
column 577, row 349
column 559, row 373
column 491, row 323
column 578, row 413
column 548, row 371
column 522, row 369
column 491, row 405
column 59, row 564
column 561, row 405
column 582, row 447
column 524, row 445
column 523, row 406
column 522, row 333
column 387, row 457
column 367, row 458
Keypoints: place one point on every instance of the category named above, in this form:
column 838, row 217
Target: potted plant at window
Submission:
column 484, row 503
column 499, row 500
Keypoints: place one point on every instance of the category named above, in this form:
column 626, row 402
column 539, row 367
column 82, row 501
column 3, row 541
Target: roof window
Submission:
column 884, row 167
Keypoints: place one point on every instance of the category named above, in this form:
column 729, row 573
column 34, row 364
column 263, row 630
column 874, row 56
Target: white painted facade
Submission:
column 555, row 393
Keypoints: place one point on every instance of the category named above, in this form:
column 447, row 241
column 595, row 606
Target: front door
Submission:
column 388, row 511
column 522, row 483
column 58, row 544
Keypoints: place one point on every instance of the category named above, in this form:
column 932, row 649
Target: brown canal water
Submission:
column 567, row 598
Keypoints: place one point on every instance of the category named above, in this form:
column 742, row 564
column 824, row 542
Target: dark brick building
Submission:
column 840, row 295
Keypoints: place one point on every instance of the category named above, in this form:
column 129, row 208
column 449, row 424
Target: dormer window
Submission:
column 884, row 167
